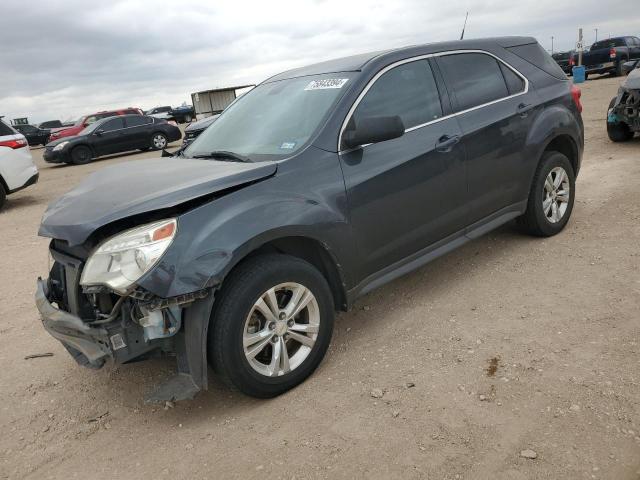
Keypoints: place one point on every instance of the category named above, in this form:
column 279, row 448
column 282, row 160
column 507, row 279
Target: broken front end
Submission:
column 93, row 306
column 625, row 108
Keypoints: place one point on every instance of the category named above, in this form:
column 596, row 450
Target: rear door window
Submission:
column 114, row 124
column 138, row 120
column 475, row 78
column 408, row 90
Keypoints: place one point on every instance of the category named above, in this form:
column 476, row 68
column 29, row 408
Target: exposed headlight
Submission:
column 60, row 146
column 120, row 261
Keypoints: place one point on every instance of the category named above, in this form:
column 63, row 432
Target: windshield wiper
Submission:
column 224, row 155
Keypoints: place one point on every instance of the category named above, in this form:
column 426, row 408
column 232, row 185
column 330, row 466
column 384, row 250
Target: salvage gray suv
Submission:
column 316, row 187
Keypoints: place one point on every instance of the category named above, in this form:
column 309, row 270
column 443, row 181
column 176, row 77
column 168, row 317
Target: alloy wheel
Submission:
column 556, row 195
column 159, row 141
column 281, row 329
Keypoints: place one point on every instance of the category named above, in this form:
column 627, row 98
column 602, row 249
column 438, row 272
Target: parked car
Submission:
column 33, row 134
column 196, row 128
column 608, row 56
column 623, row 116
column 17, row 170
column 183, row 114
column 51, row 124
column 112, row 135
column 565, row 61
column 316, row 187
column 85, row 121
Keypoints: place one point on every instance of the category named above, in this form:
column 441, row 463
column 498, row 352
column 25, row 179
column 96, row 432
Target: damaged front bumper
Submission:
column 626, row 109
column 121, row 337
column 88, row 345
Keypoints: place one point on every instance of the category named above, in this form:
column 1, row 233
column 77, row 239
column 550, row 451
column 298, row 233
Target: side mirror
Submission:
column 99, row 132
column 372, row 130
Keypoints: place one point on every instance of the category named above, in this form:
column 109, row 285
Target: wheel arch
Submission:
column 566, row 145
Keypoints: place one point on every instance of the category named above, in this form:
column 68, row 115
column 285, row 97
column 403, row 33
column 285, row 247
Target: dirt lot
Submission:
column 508, row 344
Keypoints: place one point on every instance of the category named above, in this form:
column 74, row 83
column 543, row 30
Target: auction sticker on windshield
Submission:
column 326, row 83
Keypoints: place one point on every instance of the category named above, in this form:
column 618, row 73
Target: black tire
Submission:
column 186, row 119
column 156, row 143
column 534, row 221
column 618, row 132
column 144, row 149
column 81, row 155
column 3, row 196
column 234, row 303
column 586, row 76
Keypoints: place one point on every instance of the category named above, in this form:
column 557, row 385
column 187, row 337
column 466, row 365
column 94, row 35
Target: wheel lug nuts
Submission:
column 282, row 315
column 290, row 323
column 272, row 326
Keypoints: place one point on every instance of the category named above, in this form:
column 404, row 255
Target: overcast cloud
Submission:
column 61, row 59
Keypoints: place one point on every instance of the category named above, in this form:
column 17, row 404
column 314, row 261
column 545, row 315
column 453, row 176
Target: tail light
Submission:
column 612, row 53
column 14, row 144
column 572, row 62
column 576, row 93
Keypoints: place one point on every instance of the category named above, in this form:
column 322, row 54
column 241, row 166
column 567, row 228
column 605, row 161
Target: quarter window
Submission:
column 408, row 90
column 475, row 78
column 515, row 83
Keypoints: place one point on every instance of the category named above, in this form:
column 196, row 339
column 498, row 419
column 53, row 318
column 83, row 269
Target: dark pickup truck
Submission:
column 609, row 55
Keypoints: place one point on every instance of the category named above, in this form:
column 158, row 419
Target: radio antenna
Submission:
column 464, row 26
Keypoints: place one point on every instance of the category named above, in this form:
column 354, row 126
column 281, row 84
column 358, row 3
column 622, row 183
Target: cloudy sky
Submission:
column 64, row 58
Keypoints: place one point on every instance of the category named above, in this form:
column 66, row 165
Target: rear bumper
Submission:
column 88, row 345
column 600, row 68
column 32, row 181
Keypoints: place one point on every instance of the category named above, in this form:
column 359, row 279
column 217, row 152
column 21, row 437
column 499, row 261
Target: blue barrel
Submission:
column 578, row 74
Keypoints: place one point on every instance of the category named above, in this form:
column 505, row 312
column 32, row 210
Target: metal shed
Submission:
column 211, row 102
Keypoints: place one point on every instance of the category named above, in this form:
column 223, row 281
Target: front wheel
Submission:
column 551, row 197
column 271, row 325
column 158, row 141
column 81, row 155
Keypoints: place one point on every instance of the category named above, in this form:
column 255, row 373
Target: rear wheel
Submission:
column 551, row 197
column 3, row 196
column 81, row 155
column 619, row 131
column 272, row 324
column 158, row 141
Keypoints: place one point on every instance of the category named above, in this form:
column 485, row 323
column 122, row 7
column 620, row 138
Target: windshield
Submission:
column 561, row 56
column 90, row 128
column 273, row 120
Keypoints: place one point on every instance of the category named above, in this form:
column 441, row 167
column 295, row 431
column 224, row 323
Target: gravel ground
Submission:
column 507, row 349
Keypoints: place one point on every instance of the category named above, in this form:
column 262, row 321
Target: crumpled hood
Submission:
column 127, row 189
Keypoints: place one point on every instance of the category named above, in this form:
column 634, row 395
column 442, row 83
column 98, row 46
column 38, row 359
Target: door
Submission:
column 407, row 193
column 495, row 110
column 108, row 137
column 137, row 132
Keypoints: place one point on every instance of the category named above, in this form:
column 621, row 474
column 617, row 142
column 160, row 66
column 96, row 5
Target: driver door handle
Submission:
column 446, row 142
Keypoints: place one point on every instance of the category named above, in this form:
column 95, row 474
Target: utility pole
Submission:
column 551, row 44
column 596, row 34
column 581, row 47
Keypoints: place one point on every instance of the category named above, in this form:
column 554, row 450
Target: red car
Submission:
column 83, row 122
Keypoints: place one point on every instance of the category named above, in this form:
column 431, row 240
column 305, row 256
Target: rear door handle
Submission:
column 446, row 142
column 524, row 108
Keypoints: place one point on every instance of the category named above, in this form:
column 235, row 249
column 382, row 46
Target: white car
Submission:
column 17, row 170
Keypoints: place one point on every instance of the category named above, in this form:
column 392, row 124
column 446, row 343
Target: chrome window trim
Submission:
column 423, row 57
